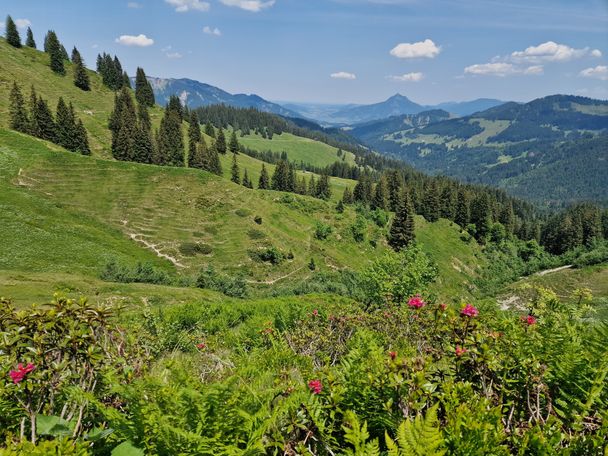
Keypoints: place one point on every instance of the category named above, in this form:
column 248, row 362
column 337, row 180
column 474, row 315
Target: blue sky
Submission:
column 345, row 51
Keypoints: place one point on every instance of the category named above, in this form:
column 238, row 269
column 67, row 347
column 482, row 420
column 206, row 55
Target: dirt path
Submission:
column 138, row 238
column 273, row 281
column 551, row 271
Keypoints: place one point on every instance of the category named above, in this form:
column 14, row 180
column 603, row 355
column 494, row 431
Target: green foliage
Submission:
column 114, row 271
column 322, row 231
column 235, row 287
column 418, row 437
column 12, row 34
column 270, row 255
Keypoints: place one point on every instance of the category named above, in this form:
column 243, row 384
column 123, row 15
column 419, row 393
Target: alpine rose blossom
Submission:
column 443, row 306
column 460, row 351
column 416, row 302
column 201, row 346
column 18, row 375
column 393, row 355
column 469, row 311
column 315, row 386
column 529, row 320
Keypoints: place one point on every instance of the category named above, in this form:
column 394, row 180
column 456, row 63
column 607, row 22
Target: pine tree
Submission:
column 126, row 81
column 53, row 47
column 507, row 217
column 264, row 183
column 194, row 134
column 448, row 203
column 200, row 157
column 481, row 216
column 17, row 113
column 64, row 53
column 143, row 149
column 143, row 89
column 430, row 205
column 43, row 119
column 462, row 216
column 301, row 186
column 280, row 178
column 380, row 200
column 220, row 142
column 233, row 145
column 116, row 75
column 235, row 174
column 123, row 125
column 33, row 105
column 323, row 190
column 395, row 185
column 170, row 142
column 215, row 166
column 81, row 77
column 65, row 126
column 29, row 41
column 246, row 181
column 82, row 142
column 209, row 130
column 291, row 178
column 175, row 105
column 312, row 186
column 12, row 34
column 144, row 118
column 347, row 196
column 402, row 234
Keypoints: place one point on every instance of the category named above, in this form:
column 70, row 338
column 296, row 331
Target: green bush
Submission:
column 231, row 286
column 113, row 271
column 195, row 248
column 322, row 230
column 270, row 255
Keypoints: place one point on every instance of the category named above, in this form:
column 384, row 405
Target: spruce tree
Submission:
column 43, row 118
column 143, row 149
column 12, row 34
column 507, row 217
column 220, row 142
column 264, row 182
column 209, row 130
column 312, row 186
column 462, row 216
column 116, row 74
column 347, row 196
column 175, row 105
column 215, row 166
column 402, row 234
column 82, row 142
column 64, row 52
column 53, row 47
column 448, row 203
column 126, row 81
column 233, row 145
column 395, row 185
column 123, row 124
column 323, row 190
column 29, row 41
column 17, row 113
column 143, row 88
column 65, row 126
column 291, row 178
column 170, row 141
column 481, row 216
column 246, row 181
column 194, row 134
column 33, row 105
column 430, row 205
column 81, row 77
column 280, row 178
column 380, row 200
column 144, row 118
column 199, row 158
column 235, row 174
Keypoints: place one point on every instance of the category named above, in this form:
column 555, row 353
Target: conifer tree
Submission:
column 194, row 134
column 143, row 149
column 312, row 186
column 481, row 215
column 116, row 75
column 143, row 89
column 82, row 141
column 199, row 158
column 402, row 234
column 395, row 185
column 323, row 190
column 29, row 41
column 170, row 141
column 507, row 217
column 280, row 178
column 448, row 203
column 235, row 174
column 291, row 178
column 430, row 205
column 301, row 186
column 347, row 196
column 246, row 181
column 126, row 81
column 144, row 118
column 233, row 145
column 65, row 134
column 43, row 119
column 17, row 113
column 462, row 216
column 12, row 34
column 81, row 77
column 123, row 124
column 33, row 105
column 264, row 182
column 175, row 105
column 215, row 166
column 209, row 130
column 380, row 200
column 64, row 53
column 363, row 189
column 54, row 48
column 220, row 142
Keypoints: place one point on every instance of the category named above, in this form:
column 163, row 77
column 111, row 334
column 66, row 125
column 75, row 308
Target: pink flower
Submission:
column 393, row 355
column 315, row 313
column 201, row 346
column 443, row 306
column 469, row 311
column 416, row 302
column 315, row 386
column 18, row 375
column 460, row 351
column 529, row 320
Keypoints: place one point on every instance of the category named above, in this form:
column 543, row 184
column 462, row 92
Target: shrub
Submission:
column 270, row 255
column 194, row 248
column 255, row 234
column 242, row 212
column 235, row 287
column 113, row 271
column 322, row 230
column 257, row 219
column 358, row 229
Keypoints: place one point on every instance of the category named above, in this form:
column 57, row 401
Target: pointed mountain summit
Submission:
column 394, row 106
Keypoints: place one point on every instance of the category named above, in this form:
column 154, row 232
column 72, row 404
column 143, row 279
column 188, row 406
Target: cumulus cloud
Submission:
column 552, row 52
column 212, row 31
column 140, row 40
column 408, row 77
column 502, row 69
column 254, row 6
column 183, row 6
column 421, row 49
column 134, row 5
column 599, row 72
column 22, row 23
column 343, row 75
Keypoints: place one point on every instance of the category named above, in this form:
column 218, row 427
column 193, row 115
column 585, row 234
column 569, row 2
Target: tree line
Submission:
column 35, row 118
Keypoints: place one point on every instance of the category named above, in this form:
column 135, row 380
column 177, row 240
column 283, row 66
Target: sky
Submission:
column 344, row 51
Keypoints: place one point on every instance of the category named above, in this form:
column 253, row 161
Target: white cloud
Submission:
column 254, row 6
column 552, row 52
column 134, row 5
column 212, row 31
column 22, row 23
column 502, row 69
column 174, row 55
column 599, row 72
column 408, row 77
column 131, row 40
column 343, row 75
column 183, row 6
column 426, row 49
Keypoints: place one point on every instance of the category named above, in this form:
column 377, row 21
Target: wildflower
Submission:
column 201, row 346
column 469, row 311
column 529, row 320
column 18, row 375
column 460, row 351
column 443, row 306
column 416, row 302
column 315, row 386
column 315, row 313
column 393, row 355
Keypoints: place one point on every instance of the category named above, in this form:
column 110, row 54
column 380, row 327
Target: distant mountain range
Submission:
column 551, row 149
column 194, row 94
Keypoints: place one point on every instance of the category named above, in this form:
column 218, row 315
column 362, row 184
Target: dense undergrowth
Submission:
column 391, row 373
